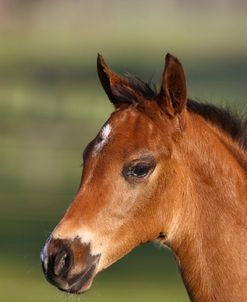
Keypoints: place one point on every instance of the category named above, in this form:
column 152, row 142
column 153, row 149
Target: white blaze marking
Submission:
column 85, row 235
column 104, row 135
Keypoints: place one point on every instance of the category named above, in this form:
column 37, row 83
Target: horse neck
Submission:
column 210, row 239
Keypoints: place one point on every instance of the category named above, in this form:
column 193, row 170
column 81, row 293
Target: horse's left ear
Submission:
column 117, row 88
column 173, row 93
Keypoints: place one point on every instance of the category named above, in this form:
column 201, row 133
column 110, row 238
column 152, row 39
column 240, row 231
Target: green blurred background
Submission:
column 51, row 105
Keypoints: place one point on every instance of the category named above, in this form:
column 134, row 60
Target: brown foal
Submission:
column 162, row 168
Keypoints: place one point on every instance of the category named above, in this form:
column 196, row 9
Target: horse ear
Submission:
column 117, row 88
column 173, row 93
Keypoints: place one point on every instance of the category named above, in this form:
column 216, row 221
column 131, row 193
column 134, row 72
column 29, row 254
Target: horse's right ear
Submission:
column 173, row 93
column 117, row 88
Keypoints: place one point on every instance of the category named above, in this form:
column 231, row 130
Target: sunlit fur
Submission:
column 195, row 197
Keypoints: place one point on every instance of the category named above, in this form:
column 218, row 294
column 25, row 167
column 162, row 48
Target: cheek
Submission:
column 119, row 224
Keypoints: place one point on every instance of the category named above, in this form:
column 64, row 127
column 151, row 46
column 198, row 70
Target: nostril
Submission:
column 62, row 263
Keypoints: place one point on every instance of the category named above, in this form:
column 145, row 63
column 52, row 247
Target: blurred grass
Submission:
column 51, row 105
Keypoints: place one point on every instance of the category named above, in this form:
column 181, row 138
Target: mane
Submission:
column 231, row 123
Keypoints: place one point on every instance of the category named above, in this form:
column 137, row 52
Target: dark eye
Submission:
column 139, row 170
